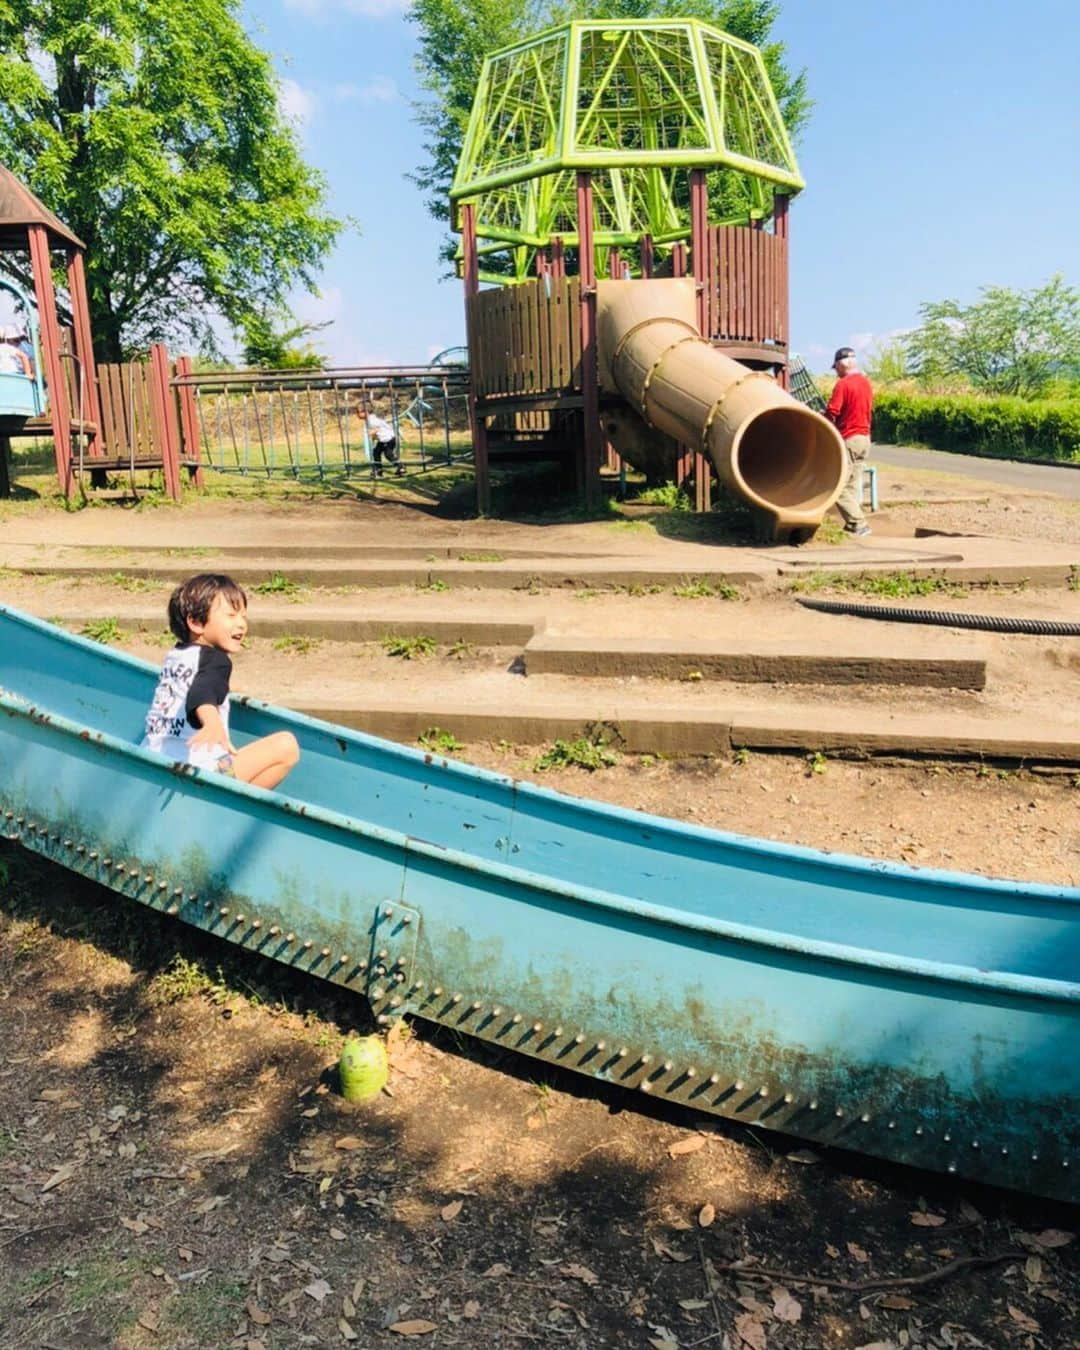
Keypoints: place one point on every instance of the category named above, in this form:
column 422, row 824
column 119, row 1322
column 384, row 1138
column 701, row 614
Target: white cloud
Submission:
column 379, row 89
column 297, row 104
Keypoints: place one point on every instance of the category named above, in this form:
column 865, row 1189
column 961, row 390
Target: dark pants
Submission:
column 387, row 448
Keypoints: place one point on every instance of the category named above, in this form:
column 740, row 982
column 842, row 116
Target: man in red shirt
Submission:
column 849, row 408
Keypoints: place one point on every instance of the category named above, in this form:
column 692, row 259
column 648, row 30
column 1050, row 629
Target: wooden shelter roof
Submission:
column 20, row 208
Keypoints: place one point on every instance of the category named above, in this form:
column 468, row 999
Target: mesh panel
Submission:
column 638, row 91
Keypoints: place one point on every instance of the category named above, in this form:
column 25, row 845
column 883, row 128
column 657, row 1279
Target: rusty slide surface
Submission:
column 786, row 460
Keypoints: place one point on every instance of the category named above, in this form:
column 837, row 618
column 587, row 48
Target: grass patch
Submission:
column 279, row 584
column 439, row 741
column 698, row 588
column 208, row 1312
column 481, row 557
column 126, row 582
column 181, row 979
column 295, row 644
column 409, row 648
column 830, row 532
column 102, row 630
column 587, row 752
column 435, row 584
column 817, row 763
column 1074, row 579
column 670, row 495
column 896, row 585
column 460, row 650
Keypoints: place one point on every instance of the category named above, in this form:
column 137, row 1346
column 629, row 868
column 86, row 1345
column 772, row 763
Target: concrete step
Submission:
column 953, row 664
column 851, row 732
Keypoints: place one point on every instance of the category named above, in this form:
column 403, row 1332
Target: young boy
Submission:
column 189, row 717
column 383, row 440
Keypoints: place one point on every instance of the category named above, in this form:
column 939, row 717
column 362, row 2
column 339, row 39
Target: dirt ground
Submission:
column 178, row 1169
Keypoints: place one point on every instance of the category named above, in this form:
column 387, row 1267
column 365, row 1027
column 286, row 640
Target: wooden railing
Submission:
column 526, row 340
column 746, row 287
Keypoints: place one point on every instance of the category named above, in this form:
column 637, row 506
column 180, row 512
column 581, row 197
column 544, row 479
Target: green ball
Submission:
column 363, row 1068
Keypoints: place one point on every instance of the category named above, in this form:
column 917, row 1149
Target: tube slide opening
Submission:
column 789, row 458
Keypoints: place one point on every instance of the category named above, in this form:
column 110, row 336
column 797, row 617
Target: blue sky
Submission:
column 942, row 155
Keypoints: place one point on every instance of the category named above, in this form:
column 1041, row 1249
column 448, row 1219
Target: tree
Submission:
column 271, row 342
column 456, row 35
column 1009, row 342
column 152, row 129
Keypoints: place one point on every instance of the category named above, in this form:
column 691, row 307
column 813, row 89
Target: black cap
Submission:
column 842, row 353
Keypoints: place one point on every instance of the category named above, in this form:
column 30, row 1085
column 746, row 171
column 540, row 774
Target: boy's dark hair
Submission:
column 192, row 600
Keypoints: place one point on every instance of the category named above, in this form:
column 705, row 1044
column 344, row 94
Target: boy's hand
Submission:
column 212, row 732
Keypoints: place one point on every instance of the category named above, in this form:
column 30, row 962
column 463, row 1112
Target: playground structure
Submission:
column 163, row 416
column 644, row 150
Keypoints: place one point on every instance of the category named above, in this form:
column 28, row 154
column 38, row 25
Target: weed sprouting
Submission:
column 699, row 588
column 296, row 644
column 587, row 752
column 126, row 582
column 279, row 584
column 896, row 585
column 671, row 495
column 481, row 557
column 102, row 630
column 409, row 648
column 439, row 741
column 817, row 763
column 435, row 584
column 460, row 650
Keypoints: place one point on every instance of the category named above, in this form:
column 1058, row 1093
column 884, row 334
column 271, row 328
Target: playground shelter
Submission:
column 631, row 149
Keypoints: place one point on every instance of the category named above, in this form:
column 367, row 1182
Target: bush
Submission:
column 1010, row 428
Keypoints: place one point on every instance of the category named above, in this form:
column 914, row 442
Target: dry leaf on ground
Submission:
column 706, row 1214
column 493, row 1272
column 897, row 1301
column 1053, row 1237
column 451, row 1211
column 806, row 1156
column 257, row 1315
column 922, row 1219
column 138, row 1226
column 471, row 1308
column 415, row 1326
column 149, row 1320
column 669, row 1253
column 751, row 1331
column 576, row 1271
column 347, row 1333
column 1022, row 1320
column 785, row 1308
column 348, row 1142
column 58, row 1178
column 858, row 1253
column 688, row 1145
column 317, row 1289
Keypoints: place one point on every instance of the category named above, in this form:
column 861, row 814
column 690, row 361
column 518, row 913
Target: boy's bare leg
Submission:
column 266, row 762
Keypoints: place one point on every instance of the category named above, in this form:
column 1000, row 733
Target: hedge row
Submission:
column 1010, row 428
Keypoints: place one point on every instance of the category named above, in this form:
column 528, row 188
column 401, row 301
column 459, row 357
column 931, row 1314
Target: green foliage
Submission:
column 435, row 584
column 127, row 582
column 153, row 131
column 456, row 35
column 409, row 648
column 1013, row 428
column 587, row 752
column 895, row 585
column 481, row 557
column 697, row 588
column 296, row 644
column 671, row 495
column 817, row 763
column 1009, row 342
column 440, row 741
column 278, row 584
column 888, row 361
column 102, row 630
column 460, row 650
column 272, row 343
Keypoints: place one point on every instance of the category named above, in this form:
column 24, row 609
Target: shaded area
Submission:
column 219, row 1187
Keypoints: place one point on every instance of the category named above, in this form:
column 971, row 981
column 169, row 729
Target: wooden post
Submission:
column 84, row 348
column 699, row 256
column 189, row 422
column 59, row 413
column 558, row 257
column 477, row 423
column 163, row 419
column 647, row 257
column 678, row 269
column 780, row 228
column 590, row 388
column 5, row 471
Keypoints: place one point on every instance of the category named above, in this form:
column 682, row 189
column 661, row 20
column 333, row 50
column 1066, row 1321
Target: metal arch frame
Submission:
column 520, row 198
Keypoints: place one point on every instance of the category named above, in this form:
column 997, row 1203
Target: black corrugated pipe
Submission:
column 989, row 623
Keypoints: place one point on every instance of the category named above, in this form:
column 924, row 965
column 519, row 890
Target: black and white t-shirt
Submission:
column 381, row 429
column 191, row 676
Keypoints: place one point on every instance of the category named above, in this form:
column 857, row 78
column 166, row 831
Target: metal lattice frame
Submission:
column 634, row 102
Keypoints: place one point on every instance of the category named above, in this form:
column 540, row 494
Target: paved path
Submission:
column 1062, row 481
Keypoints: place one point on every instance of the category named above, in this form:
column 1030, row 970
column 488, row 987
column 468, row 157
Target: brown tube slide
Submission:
column 786, row 460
